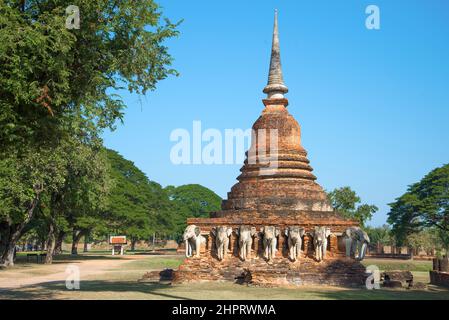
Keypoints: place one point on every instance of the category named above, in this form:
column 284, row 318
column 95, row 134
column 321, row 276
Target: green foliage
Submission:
column 198, row 200
column 25, row 174
column 139, row 207
column 191, row 200
column 346, row 201
column 52, row 76
column 426, row 240
column 84, row 196
column 57, row 93
column 424, row 205
column 380, row 235
column 135, row 203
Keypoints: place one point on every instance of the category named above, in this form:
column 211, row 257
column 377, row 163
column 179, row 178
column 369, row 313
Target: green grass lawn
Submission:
column 391, row 264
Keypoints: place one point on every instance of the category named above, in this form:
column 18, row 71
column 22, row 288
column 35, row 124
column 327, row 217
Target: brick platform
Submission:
column 336, row 271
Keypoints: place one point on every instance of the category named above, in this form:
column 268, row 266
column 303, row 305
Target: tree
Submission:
column 426, row 240
column 83, row 199
column 191, row 200
column 424, row 205
column 346, row 201
column 136, row 204
column 57, row 83
column 51, row 74
column 24, row 176
column 380, row 235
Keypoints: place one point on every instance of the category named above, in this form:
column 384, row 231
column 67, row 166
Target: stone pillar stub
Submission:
column 333, row 243
column 281, row 243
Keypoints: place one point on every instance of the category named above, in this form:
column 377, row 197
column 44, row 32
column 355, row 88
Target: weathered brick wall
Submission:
column 440, row 264
column 280, row 271
column 439, row 278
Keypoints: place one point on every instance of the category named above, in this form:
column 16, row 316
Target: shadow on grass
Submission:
column 384, row 294
column 66, row 257
column 51, row 290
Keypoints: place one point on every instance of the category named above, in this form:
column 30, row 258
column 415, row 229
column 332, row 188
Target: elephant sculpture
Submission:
column 294, row 234
column 356, row 242
column 221, row 234
column 320, row 235
column 193, row 240
column 270, row 234
column 245, row 234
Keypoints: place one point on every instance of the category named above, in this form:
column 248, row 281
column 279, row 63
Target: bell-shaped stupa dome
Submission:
column 276, row 175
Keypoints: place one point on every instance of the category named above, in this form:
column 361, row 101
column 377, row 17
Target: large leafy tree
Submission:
column 58, row 84
column 191, row 200
column 24, row 177
column 347, row 202
column 380, row 235
column 425, row 205
column 83, row 197
column 52, row 74
column 136, row 205
column 426, row 240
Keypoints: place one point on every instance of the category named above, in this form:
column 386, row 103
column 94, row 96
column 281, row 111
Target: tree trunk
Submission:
column 5, row 234
column 86, row 242
column 51, row 243
column 133, row 244
column 7, row 259
column 7, row 256
column 59, row 240
column 76, row 236
column 154, row 236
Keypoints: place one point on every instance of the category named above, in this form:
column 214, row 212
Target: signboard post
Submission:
column 118, row 244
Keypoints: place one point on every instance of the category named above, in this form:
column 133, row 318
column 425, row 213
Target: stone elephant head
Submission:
column 270, row 234
column 356, row 242
column 294, row 234
column 221, row 234
column 245, row 234
column 193, row 240
column 320, row 235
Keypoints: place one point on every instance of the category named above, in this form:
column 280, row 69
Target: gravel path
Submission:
column 26, row 275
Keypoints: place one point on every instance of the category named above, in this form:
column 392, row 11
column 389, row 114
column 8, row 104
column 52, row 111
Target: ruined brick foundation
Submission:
column 333, row 271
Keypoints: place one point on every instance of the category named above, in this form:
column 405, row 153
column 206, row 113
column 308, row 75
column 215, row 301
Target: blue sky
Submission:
column 373, row 105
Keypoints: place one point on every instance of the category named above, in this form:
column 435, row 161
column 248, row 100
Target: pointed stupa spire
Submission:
column 275, row 87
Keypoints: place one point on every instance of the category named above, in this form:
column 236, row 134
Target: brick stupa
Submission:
column 275, row 189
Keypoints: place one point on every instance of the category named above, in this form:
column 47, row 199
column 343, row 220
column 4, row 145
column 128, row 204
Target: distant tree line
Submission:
column 131, row 205
column 419, row 219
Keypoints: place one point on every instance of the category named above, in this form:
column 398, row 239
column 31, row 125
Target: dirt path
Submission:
column 22, row 276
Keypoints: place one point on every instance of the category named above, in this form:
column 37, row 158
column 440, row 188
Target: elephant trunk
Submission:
column 220, row 251
column 187, row 248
